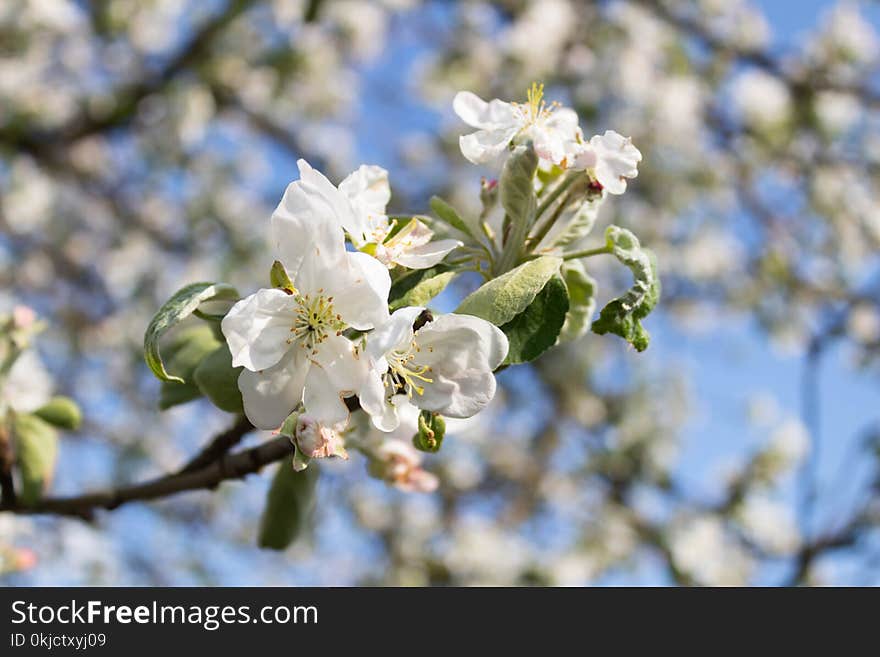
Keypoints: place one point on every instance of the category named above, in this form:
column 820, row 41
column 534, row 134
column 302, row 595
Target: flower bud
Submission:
column 317, row 440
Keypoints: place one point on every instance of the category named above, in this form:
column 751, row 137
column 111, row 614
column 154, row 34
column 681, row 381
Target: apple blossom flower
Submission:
column 314, row 439
column 500, row 124
column 290, row 341
column 610, row 158
column 369, row 227
column 445, row 366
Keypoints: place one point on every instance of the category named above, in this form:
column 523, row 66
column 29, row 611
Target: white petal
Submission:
column 257, row 328
column 427, row 255
column 368, row 188
column 337, row 371
column 486, row 145
column 618, row 159
column 397, row 332
column 372, row 398
column 462, row 351
column 360, row 288
column 486, row 340
column 309, row 219
column 476, row 112
column 270, row 396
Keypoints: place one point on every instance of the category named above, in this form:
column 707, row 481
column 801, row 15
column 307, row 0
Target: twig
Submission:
column 234, row 466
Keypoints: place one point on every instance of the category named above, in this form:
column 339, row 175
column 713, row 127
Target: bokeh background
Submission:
column 143, row 145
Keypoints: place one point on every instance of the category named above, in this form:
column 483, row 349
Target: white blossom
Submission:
column 445, row 366
column 610, row 158
column 499, row 124
column 369, row 226
column 290, row 342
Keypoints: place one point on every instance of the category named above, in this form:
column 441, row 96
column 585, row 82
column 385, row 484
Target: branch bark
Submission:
column 226, row 468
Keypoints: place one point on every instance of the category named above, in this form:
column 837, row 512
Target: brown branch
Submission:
column 234, row 466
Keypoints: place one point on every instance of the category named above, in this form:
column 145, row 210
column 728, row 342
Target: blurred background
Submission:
column 143, row 145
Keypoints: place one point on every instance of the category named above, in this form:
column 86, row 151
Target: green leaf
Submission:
column 581, row 300
column 581, row 224
column 36, row 447
column 448, row 214
column 505, row 297
column 185, row 351
column 61, row 412
column 517, row 193
column 419, row 287
column 622, row 316
column 288, row 506
column 536, row 329
column 279, row 278
column 184, row 302
column 218, row 380
column 432, row 429
column 517, row 189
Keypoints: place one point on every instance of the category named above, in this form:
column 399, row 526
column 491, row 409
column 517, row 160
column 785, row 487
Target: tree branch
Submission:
column 234, row 466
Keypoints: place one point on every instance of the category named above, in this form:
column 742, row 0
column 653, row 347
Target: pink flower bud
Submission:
column 316, row 440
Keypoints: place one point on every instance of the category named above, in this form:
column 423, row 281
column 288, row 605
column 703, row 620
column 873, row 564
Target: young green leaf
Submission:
column 448, row 214
column 580, row 224
column 537, row 328
column 517, row 187
column 36, row 446
column 288, row 506
column 581, row 300
column 218, row 380
column 419, row 287
column 61, row 412
column 505, row 297
column 184, row 353
column 517, row 192
column 622, row 316
column 178, row 307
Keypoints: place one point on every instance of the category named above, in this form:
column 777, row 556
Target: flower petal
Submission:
column 271, row 395
column 486, row 145
column 395, row 333
column 461, row 351
column 427, row 255
column 337, row 371
column 257, row 329
column 309, row 219
column 476, row 112
column 367, row 188
column 360, row 287
column 618, row 160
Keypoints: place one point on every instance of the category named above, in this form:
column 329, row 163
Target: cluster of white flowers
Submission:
column 610, row 159
column 326, row 334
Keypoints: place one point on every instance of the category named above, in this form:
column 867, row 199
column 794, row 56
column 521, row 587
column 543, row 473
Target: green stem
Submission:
column 587, row 253
column 535, row 239
column 556, row 192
